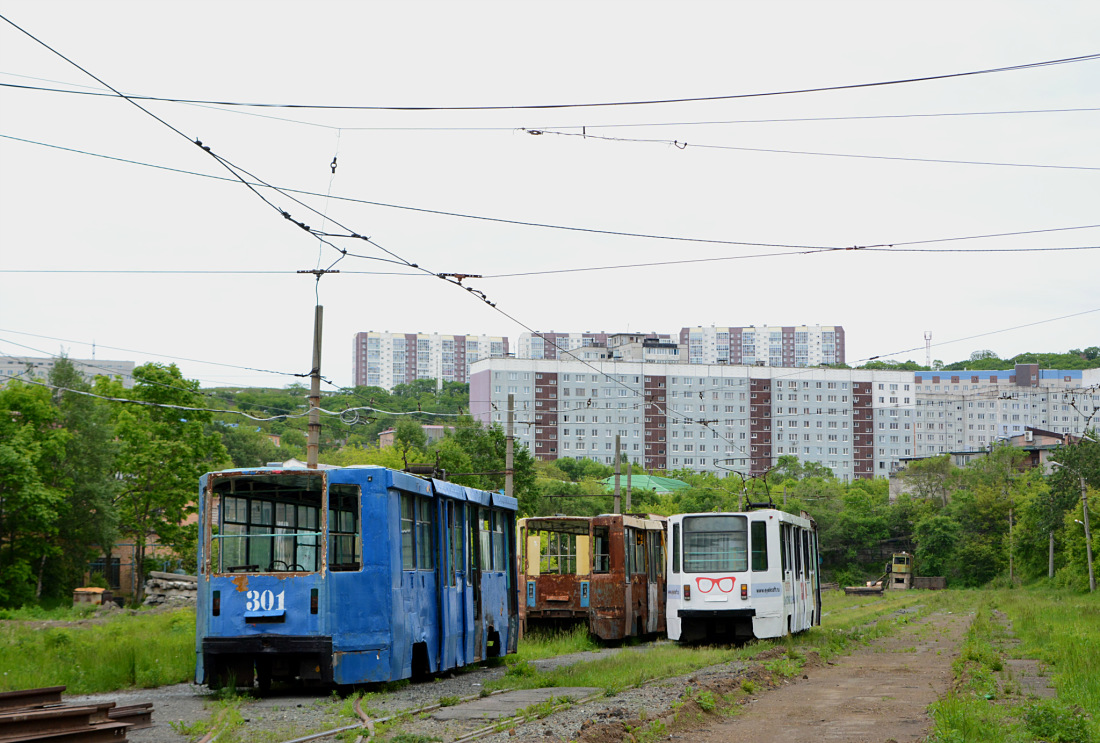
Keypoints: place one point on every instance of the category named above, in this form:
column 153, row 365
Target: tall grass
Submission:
column 142, row 650
column 1060, row 629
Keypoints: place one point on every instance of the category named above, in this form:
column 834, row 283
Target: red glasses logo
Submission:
column 725, row 585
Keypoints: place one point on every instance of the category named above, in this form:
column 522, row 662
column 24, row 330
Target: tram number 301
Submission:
column 264, row 601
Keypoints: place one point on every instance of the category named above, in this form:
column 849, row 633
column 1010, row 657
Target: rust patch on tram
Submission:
column 241, row 582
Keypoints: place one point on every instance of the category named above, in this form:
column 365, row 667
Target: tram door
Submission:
column 452, row 579
column 794, row 597
column 474, row 621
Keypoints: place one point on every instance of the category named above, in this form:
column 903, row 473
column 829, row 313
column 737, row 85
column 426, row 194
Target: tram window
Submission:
column 806, row 552
column 266, row 524
column 560, row 555
column 656, row 562
column 639, row 551
column 498, row 541
column 343, row 531
column 454, row 532
column 758, row 539
column 473, row 545
column 628, row 550
column 715, row 544
column 416, row 533
column 797, row 556
column 601, row 552
column 785, row 558
column 425, row 557
column 408, row 556
column 676, row 548
column 485, row 522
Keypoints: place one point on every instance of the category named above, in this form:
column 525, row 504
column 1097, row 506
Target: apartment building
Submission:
column 551, row 345
column 970, row 410
column 39, row 368
column 766, row 345
column 705, row 417
column 388, row 359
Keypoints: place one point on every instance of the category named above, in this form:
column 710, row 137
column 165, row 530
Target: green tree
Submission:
column 85, row 471
column 409, row 437
column 163, row 449
column 30, row 440
column 932, row 478
column 246, row 446
column 474, row 448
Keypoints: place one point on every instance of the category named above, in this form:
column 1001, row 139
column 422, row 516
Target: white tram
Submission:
column 736, row 576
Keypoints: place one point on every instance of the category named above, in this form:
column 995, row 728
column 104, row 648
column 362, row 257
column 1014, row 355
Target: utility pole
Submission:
column 508, row 445
column 629, row 471
column 618, row 498
column 1088, row 534
column 313, row 441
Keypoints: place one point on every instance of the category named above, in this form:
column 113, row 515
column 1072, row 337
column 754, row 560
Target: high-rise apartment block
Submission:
column 734, row 418
column 767, row 345
column 38, row 369
column 970, row 410
column 388, row 359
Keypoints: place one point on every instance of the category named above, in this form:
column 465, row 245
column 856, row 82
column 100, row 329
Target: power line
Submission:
column 684, row 145
column 544, row 225
column 158, row 355
column 604, row 104
column 718, row 122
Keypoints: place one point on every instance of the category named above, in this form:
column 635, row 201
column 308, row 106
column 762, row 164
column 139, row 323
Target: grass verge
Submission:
column 1061, row 631
column 142, row 650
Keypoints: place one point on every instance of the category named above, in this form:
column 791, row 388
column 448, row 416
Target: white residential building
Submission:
column 766, row 345
column 717, row 418
column 38, row 369
column 388, row 359
column 969, row 410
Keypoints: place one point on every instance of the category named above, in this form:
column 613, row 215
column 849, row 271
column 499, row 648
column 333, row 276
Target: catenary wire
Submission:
column 717, row 122
column 543, row 225
column 604, row 104
column 684, row 145
column 234, row 170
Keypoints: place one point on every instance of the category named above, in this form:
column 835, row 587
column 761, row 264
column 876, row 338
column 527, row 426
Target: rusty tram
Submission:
column 604, row 571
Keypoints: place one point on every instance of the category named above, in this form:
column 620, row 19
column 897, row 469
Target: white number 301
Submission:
column 265, row 601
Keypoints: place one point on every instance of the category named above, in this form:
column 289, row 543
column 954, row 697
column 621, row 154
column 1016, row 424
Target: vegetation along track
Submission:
column 894, row 654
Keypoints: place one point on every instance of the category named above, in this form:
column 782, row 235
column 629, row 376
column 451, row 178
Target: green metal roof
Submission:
column 646, row 482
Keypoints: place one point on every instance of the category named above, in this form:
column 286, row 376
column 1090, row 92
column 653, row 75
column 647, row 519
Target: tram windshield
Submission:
column 716, row 544
column 275, row 523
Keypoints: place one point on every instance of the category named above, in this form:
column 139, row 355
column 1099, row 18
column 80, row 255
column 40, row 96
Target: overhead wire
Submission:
column 622, row 125
column 605, row 104
column 236, row 171
column 571, row 228
column 684, row 145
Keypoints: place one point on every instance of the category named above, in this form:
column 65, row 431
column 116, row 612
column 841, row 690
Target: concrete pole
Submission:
column 313, row 440
column 508, row 445
column 1088, row 534
column 629, row 470
column 618, row 498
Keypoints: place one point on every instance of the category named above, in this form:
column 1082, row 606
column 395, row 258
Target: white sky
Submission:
column 66, row 211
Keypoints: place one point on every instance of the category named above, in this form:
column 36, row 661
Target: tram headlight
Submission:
column 687, row 592
column 744, row 591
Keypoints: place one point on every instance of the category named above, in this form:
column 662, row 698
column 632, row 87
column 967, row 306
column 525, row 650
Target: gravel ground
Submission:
column 294, row 713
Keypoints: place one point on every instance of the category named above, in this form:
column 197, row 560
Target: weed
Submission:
column 449, row 701
column 1056, row 722
column 748, row 686
column 706, row 701
column 413, row 738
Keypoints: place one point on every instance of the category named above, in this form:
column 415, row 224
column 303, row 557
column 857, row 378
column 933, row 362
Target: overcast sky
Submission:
column 62, row 212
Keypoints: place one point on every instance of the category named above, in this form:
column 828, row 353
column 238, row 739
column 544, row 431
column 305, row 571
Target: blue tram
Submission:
column 350, row 575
